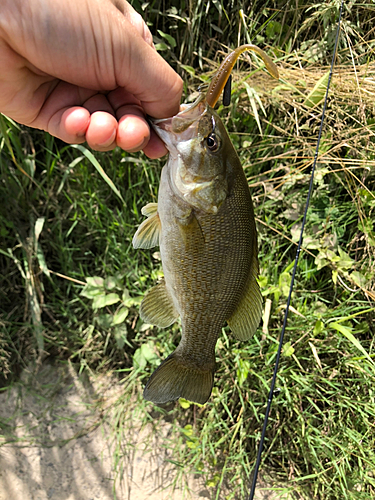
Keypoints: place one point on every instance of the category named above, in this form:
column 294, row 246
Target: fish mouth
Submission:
column 183, row 126
column 184, row 113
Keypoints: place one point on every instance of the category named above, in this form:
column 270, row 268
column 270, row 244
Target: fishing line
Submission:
column 272, row 389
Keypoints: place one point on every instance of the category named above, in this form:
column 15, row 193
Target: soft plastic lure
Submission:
column 223, row 73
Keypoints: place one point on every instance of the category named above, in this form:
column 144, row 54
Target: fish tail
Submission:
column 174, row 379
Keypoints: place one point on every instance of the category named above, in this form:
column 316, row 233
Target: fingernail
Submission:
column 140, row 146
column 109, row 141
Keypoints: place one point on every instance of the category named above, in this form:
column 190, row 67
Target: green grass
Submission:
column 321, row 438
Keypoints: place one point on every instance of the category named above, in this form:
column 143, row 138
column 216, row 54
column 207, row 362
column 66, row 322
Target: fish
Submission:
column 204, row 225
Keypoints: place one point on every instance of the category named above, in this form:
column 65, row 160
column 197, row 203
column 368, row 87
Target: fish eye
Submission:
column 212, row 142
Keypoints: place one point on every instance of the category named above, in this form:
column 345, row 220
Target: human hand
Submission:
column 85, row 71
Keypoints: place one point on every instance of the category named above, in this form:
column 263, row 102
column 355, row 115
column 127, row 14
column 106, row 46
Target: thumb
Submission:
column 146, row 75
column 95, row 45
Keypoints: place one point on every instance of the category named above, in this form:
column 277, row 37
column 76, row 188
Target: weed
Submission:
column 71, row 281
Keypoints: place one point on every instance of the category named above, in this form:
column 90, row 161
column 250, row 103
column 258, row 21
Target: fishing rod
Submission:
column 273, row 382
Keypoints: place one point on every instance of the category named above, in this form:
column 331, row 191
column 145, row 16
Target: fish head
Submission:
column 198, row 146
column 201, row 154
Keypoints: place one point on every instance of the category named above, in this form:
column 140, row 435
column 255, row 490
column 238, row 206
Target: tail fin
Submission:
column 173, row 380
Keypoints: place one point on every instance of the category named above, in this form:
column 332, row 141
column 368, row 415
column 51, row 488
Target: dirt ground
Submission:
column 62, row 448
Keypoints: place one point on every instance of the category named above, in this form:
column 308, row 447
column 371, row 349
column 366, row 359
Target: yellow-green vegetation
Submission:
column 71, row 282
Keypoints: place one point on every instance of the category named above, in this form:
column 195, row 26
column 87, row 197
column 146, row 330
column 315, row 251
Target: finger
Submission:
column 135, row 19
column 74, row 125
column 72, row 114
column 62, row 114
column 133, row 131
column 102, row 129
column 153, row 82
column 155, row 147
column 101, row 132
column 98, row 102
column 103, row 53
column 70, row 124
column 121, row 97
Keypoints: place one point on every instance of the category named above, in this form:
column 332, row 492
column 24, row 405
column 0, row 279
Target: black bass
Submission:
column 204, row 224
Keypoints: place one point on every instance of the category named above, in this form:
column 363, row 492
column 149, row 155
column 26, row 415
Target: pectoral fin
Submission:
column 147, row 235
column 245, row 320
column 191, row 233
column 157, row 307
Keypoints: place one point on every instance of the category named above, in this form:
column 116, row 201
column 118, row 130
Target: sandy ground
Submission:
column 63, row 448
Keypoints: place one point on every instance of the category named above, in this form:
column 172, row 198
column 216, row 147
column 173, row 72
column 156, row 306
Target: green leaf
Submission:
column 138, row 359
column 284, row 283
column 120, row 333
column 318, row 328
column 334, row 276
column 144, row 327
column 38, row 227
column 358, row 278
column 211, row 483
column 126, row 297
column 288, row 350
column 99, row 168
column 120, row 316
column 366, row 226
column 320, row 260
column 148, row 352
column 145, row 354
column 95, row 281
column 90, row 292
column 184, row 403
column 161, row 46
column 105, row 300
column 332, row 256
column 188, row 69
column 130, row 301
column 346, row 331
column 29, row 164
column 295, row 231
column 253, row 96
column 169, row 38
column 273, row 28
column 104, row 321
column 188, row 430
column 216, row 28
column 110, row 283
column 311, row 243
column 242, row 371
column 41, row 260
column 192, row 444
column 345, row 262
column 318, row 92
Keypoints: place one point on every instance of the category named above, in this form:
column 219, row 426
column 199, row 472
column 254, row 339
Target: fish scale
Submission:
column 204, row 224
column 208, row 262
